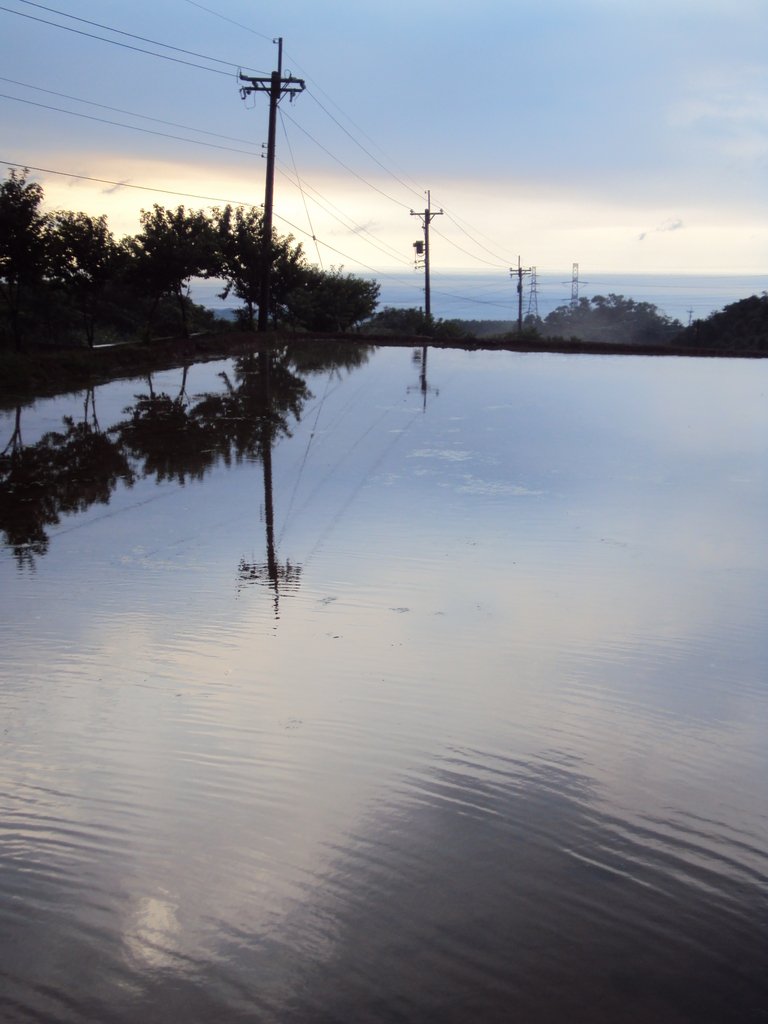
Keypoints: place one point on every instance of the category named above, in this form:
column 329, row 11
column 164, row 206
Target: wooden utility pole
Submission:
column 276, row 87
column 426, row 219
column 518, row 272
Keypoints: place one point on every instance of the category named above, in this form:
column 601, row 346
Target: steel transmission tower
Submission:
column 276, row 87
column 533, row 295
column 426, row 219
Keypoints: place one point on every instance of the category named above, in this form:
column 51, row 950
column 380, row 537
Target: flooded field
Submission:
column 387, row 686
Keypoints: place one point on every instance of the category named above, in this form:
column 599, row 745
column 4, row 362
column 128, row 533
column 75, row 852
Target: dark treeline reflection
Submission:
column 166, row 437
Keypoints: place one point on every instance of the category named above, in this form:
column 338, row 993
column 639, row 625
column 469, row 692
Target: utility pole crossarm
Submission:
column 289, row 86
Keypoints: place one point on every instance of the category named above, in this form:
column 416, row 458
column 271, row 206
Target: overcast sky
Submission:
column 627, row 135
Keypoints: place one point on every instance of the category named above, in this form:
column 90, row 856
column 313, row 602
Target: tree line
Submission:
column 64, row 277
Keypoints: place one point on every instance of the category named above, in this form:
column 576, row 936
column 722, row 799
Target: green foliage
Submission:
column 331, row 300
column 76, row 280
column 612, row 319
column 240, row 243
column 413, row 322
column 23, row 245
column 740, row 326
column 84, row 258
column 173, row 247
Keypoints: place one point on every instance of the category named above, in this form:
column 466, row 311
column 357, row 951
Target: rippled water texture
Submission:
column 437, row 693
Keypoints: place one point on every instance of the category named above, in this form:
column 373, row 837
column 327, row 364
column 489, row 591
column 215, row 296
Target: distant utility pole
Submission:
column 518, row 272
column 575, row 285
column 426, row 219
column 276, row 87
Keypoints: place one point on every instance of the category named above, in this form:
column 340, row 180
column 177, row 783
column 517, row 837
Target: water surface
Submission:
column 376, row 690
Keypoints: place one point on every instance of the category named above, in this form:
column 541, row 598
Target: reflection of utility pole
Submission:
column 276, row 574
column 423, row 386
column 518, row 272
column 426, row 219
column 277, row 87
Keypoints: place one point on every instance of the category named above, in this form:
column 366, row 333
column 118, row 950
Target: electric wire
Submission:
column 131, row 35
column 131, row 113
column 361, row 146
column 116, row 42
column 301, row 190
column 344, row 219
column 479, row 244
column 466, row 252
column 132, row 127
column 223, row 17
column 346, row 166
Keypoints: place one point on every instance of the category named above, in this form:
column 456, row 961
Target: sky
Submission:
column 628, row 136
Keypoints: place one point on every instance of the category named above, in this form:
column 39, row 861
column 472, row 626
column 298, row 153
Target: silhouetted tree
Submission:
column 23, row 244
column 173, row 247
column 741, row 326
column 330, row 300
column 240, row 242
column 612, row 318
column 84, row 258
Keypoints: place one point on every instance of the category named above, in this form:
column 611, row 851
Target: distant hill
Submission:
column 741, row 326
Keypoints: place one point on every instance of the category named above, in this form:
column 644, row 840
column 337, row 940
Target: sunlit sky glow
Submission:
column 628, row 136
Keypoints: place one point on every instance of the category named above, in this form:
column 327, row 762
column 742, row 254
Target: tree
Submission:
column 740, row 326
column 23, row 244
column 85, row 258
column 173, row 247
column 330, row 300
column 612, row 318
column 240, row 241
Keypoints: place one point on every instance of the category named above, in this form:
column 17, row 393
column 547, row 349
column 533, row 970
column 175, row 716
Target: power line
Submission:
column 223, row 17
column 120, row 110
column 479, row 244
column 344, row 219
column 363, row 148
column 132, row 127
column 346, row 166
column 466, row 251
column 115, row 42
column 303, row 194
column 131, row 35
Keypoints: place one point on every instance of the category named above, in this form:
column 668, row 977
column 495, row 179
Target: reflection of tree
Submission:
column 263, row 392
column 315, row 357
column 65, row 471
column 172, row 443
column 169, row 439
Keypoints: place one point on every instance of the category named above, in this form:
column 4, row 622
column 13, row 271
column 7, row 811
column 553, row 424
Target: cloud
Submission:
column 670, row 224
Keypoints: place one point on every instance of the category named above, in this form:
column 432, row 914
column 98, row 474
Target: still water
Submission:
column 387, row 686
